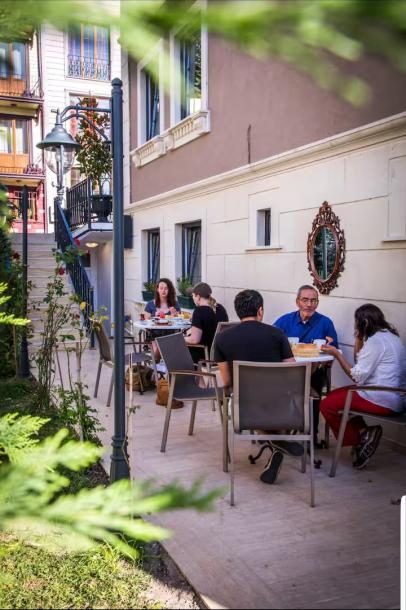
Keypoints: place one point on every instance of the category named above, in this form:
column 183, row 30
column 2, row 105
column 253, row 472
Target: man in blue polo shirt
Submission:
column 307, row 324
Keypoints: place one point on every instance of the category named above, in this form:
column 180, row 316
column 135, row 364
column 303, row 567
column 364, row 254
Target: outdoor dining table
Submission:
column 173, row 324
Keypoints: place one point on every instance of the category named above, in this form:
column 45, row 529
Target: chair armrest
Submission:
column 196, row 345
column 376, row 388
column 207, row 362
column 193, row 373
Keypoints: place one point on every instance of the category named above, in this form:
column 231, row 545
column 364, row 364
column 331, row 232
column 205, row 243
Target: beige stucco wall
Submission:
column 352, row 172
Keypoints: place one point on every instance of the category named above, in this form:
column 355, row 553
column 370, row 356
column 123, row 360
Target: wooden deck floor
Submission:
column 271, row 550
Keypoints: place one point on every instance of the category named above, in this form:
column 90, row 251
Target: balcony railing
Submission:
column 33, row 169
column 85, row 207
column 20, row 87
column 86, row 67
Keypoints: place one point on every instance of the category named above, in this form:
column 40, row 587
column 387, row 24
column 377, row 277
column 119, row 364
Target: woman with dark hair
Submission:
column 206, row 316
column 380, row 359
column 165, row 302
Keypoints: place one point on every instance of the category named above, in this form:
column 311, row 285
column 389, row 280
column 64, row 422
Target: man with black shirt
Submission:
column 254, row 341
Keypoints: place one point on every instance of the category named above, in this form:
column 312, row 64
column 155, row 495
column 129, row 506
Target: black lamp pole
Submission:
column 120, row 468
column 59, row 139
column 24, row 361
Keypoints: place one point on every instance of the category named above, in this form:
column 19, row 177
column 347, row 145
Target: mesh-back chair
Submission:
column 396, row 418
column 106, row 358
column 184, row 379
column 221, row 327
column 272, row 396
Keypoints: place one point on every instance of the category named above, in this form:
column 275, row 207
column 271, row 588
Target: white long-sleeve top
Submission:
column 382, row 361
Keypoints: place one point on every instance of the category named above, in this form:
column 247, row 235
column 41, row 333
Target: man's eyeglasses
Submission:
column 310, row 301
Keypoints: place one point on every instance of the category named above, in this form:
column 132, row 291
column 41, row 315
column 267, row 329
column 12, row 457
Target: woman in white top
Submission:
column 380, row 359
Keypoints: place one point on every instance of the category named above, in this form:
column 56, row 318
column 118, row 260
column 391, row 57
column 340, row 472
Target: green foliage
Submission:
column 150, row 285
column 96, row 579
column 184, row 284
column 74, row 410
column 94, row 158
column 16, row 434
column 9, row 318
column 304, row 33
column 30, row 500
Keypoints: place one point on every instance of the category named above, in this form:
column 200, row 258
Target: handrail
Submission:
column 75, row 268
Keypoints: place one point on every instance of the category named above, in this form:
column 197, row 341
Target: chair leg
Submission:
column 96, row 387
column 139, row 375
column 110, row 389
column 226, row 453
column 168, row 414
column 312, row 499
column 304, row 457
column 232, row 470
column 341, row 432
column 327, row 435
column 192, row 418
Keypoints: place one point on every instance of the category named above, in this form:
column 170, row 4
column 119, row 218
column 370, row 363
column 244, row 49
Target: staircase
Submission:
column 41, row 265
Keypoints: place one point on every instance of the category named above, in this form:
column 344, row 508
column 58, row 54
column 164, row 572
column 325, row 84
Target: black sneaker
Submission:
column 367, row 447
column 271, row 470
column 289, row 447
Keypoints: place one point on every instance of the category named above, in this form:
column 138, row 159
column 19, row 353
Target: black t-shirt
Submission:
column 206, row 319
column 252, row 341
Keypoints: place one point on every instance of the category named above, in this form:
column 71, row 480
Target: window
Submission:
column 89, row 52
column 12, row 60
column 15, row 195
column 153, row 244
column 190, row 63
column 150, row 116
column 264, row 227
column 13, row 136
column 191, row 251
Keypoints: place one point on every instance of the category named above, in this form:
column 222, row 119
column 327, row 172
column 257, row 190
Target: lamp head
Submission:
column 60, row 147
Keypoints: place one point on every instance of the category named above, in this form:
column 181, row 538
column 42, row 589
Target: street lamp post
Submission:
column 24, row 361
column 60, row 148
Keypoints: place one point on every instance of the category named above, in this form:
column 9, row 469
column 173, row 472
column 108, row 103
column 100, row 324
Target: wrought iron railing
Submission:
column 87, row 67
column 84, row 206
column 75, row 268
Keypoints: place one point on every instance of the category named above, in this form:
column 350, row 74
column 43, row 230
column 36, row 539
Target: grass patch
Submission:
column 33, row 578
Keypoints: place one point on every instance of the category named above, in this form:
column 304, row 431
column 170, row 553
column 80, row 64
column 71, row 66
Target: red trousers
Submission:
column 335, row 402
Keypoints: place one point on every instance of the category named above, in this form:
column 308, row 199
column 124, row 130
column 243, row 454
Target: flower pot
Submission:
column 102, row 206
column 148, row 295
column 186, row 302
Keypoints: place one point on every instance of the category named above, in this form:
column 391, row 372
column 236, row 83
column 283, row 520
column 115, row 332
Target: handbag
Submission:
column 162, row 395
column 146, row 378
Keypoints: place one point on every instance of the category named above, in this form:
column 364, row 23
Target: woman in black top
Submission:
column 204, row 320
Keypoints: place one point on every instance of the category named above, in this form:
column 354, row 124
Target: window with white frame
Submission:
column 189, row 73
column 150, row 97
column 153, row 254
column 192, row 251
column 264, row 227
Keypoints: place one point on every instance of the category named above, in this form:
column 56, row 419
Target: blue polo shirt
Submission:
column 317, row 327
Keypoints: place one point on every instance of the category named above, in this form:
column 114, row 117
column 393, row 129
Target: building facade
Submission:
column 21, row 123
column 230, row 165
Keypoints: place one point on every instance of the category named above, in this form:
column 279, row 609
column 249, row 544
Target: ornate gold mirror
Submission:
column 326, row 249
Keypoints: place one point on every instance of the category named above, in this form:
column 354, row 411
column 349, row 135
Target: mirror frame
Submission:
column 326, row 218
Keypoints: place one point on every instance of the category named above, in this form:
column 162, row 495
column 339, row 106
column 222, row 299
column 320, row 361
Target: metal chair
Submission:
column 183, row 378
column 399, row 419
column 106, row 358
column 221, row 327
column 271, row 396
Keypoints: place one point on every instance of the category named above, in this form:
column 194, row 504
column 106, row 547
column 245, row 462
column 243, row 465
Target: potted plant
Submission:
column 149, row 292
column 185, row 298
column 94, row 158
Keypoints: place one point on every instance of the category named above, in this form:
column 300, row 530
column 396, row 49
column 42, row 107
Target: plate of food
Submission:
column 306, row 350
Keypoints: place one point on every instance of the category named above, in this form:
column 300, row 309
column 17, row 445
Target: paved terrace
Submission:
column 271, row 550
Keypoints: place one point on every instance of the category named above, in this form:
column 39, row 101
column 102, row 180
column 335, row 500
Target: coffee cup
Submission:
column 319, row 342
column 293, row 340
